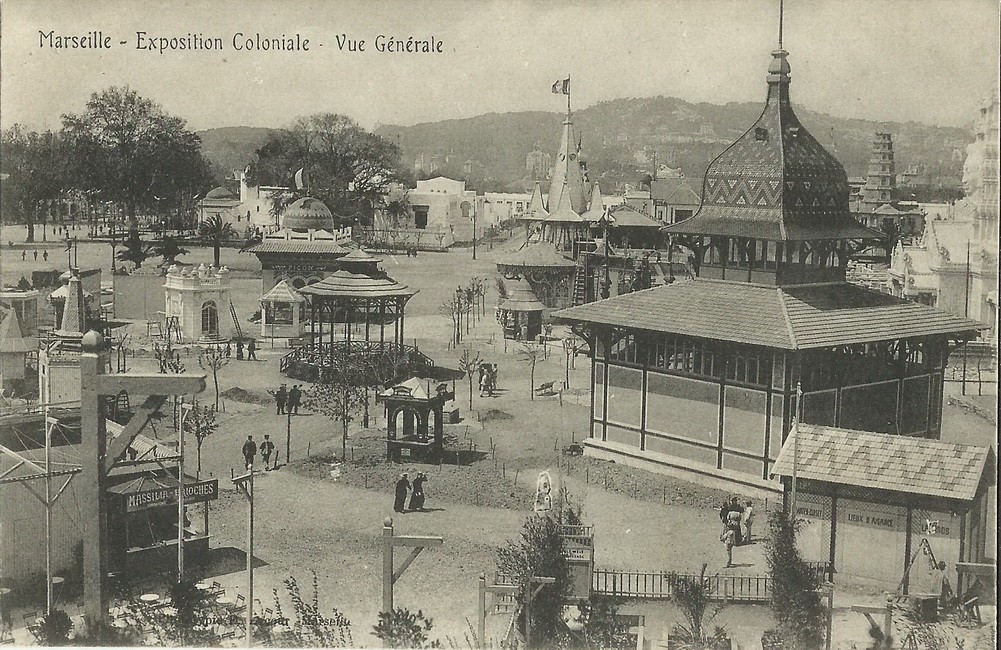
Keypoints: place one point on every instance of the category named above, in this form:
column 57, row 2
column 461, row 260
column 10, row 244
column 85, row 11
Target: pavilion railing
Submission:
column 331, row 355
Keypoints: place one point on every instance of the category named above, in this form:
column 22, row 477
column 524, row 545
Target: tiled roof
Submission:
column 520, row 297
column 885, row 461
column 283, row 292
column 326, row 247
column 794, row 318
column 626, row 216
column 344, row 284
column 541, row 255
column 564, row 210
column 566, row 172
column 675, row 191
column 776, row 181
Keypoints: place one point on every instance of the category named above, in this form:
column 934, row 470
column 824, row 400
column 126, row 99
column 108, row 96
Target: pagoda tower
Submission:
column 703, row 376
column 880, row 183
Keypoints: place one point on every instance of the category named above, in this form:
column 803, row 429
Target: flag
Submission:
column 562, row 87
column 299, row 184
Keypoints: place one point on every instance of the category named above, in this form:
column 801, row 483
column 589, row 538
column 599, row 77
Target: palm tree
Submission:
column 215, row 231
column 168, row 248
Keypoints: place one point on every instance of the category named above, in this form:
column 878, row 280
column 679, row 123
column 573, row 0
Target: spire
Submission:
column 74, row 319
column 781, row 16
column 567, row 171
column 535, row 206
column 597, row 209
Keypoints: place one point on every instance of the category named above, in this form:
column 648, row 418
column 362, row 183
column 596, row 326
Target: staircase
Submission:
column 580, row 280
column 236, row 322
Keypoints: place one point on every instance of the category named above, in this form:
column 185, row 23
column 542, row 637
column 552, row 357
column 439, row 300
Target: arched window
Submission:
column 210, row 318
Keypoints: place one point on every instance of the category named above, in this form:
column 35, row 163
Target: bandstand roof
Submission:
column 629, row 217
column 540, row 255
column 793, row 317
column 344, row 284
column 359, row 255
column 283, row 292
column 885, row 461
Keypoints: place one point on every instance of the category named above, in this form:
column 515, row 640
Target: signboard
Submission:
column 193, row 493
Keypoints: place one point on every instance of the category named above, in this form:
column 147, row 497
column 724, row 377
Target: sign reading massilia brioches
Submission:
column 193, row 493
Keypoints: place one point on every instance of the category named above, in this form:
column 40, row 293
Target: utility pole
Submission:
column 795, row 444
column 389, row 541
column 244, row 484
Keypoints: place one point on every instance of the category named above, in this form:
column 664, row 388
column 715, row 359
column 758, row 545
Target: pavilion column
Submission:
column 349, row 317
column 382, row 322
column 366, row 320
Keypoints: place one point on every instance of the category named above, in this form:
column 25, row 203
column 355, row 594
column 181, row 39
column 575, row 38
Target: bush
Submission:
column 55, row 629
column 692, row 595
column 800, row 615
column 404, row 629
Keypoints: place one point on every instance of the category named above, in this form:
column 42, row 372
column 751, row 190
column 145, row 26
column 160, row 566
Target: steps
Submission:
column 580, row 281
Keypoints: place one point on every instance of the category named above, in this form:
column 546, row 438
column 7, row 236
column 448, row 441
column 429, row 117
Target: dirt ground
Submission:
column 307, row 519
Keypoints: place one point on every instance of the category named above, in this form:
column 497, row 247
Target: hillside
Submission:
column 231, row 148
column 620, row 138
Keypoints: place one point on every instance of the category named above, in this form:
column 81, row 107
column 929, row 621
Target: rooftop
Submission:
column 793, row 318
column 283, row 292
column 885, row 461
column 299, row 246
column 344, row 284
column 540, row 255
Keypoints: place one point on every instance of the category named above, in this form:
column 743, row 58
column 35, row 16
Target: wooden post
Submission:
column 180, row 502
column 245, row 486
column 387, row 565
column 481, row 627
column 93, row 500
column 288, row 434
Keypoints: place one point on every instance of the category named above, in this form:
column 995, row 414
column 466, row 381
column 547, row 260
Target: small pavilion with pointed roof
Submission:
column 282, row 312
column 700, row 376
column 414, row 422
column 548, row 273
column 520, row 312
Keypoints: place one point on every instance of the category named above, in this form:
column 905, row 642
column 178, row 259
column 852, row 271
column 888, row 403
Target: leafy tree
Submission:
column 213, row 358
column 347, row 167
column 168, row 248
column 469, row 363
column 215, row 231
column 36, row 173
column 404, row 629
column 531, row 353
column 539, row 553
column 799, row 613
column 127, row 147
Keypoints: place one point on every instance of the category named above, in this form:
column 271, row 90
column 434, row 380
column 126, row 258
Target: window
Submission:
column 210, row 318
column 748, row 366
column 684, row 355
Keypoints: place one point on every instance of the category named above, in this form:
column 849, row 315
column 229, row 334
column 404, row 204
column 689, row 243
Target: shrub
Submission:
column 55, row 629
column 799, row 613
column 404, row 629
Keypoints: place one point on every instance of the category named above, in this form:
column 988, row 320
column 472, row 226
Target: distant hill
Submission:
column 620, row 138
column 232, row 147
column 623, row 136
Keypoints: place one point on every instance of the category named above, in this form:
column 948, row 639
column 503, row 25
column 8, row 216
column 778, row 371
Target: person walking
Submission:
column 733, row 520
column 402, row 486
column 748, row 521
column 729, row 540
column 267, row 448
column 417, row 496
column 35, row 253
column 252, row 350
column 280, row 398
column 45, row 256
column 24, row 255
column 249, row 451
column 940, row 584
column 294, row 399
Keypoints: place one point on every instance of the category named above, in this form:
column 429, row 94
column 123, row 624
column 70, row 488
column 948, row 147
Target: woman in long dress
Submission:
column 417, row 496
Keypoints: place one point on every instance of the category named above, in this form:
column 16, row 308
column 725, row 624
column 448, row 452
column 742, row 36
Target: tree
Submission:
column 692, row 596
column 167, row 358
column 453, row 307
column 201, row 423
column 137, row 155
column 531, row 353
column 799, row 613
column 36, row 173
column 403, row 629
column 469, row 362
column 215, row 231
column 135, row 249
column 168, row 248
column 213, row 358
column 339, row 399
column 347, row 168
column 539, row 553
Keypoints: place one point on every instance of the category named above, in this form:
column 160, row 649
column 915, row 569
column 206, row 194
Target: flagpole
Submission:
column 795, row 444
column 568, row 96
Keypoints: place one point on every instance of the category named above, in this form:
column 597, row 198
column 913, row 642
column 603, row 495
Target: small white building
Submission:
column 200, row 301
column 445, row 204
column 281, row 312
column 250, row 206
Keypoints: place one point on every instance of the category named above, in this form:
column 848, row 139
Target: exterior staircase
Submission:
column 580, row 281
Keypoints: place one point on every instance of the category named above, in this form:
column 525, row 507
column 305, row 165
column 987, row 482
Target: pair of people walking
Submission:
column 250, row 452
column 488, row 379
column 288, row 401
column 737, row 521
column 417, row 495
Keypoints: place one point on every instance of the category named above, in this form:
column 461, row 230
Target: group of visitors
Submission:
column 737, row 521
column 288, row 401
column 416, row 494
column 251, row 350
column 267, row 449
column 488, row 379
column 45, row 255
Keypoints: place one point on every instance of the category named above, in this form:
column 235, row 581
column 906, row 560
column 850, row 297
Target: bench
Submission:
column 546, row 387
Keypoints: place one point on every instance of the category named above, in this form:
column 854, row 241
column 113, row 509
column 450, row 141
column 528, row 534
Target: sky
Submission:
column 930, row 61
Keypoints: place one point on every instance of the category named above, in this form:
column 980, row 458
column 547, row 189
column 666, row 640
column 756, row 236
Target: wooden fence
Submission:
column 660, row 585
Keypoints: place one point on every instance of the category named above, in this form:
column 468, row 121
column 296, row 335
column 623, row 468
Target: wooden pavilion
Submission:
column 414, row 428
column 520, row 312
column 700, row 376
column 548, row 273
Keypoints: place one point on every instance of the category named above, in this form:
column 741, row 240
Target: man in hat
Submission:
column 402, row 486
column 280, row 398
column 249, row 451
column 267, row 448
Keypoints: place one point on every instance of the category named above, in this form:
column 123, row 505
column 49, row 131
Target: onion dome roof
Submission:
column 775, row 182
column 345, row 284
column 308, row 214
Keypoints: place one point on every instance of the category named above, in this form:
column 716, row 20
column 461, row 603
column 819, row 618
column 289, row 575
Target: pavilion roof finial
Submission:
column 781, row 16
